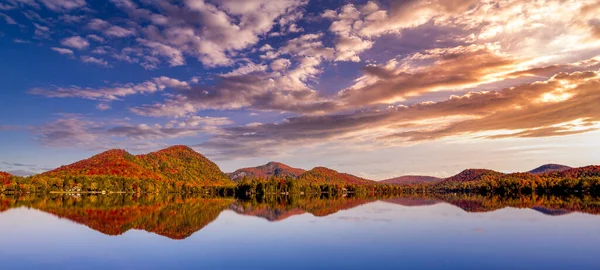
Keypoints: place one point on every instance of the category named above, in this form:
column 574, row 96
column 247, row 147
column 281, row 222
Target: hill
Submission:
column 411, row 179
column 574, row 173
column 265, row 171
column 547, row 168
column 116, row 162
column 5, row 178
column 181, row 163
column 174, row 166
column 322, row 175
column 474, row 175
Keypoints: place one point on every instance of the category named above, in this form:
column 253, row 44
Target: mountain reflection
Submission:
column 179, row 216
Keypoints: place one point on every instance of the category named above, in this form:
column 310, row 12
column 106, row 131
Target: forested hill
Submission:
column 474, row 175
column 184, row 164
column 179, row 165
column 271, row 169
column 411, row 179
column 322, row 175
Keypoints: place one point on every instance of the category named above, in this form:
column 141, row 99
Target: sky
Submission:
column 378, row 89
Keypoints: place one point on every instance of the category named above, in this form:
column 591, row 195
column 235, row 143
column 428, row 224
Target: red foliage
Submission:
column 322, row 175
column 5, row 178
column 475, row 175
column 115, row 162
column 588, row 171
column 173, row 164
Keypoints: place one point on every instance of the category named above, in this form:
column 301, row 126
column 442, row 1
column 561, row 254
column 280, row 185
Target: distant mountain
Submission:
column 5, row 178
column 173, row 164
column 265, row 171
column 547, row 168
column 474, row 175
column 322, row 175
column 411, row 179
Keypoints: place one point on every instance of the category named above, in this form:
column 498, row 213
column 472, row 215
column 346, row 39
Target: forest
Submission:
column 180, row 169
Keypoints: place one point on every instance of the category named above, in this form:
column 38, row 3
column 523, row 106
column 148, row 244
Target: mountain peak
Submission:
column 547, row 168
column 179, row 147
column 411, row 179
column 115, row 151
column 272, row 168
column 474, row 175
column 326, row 175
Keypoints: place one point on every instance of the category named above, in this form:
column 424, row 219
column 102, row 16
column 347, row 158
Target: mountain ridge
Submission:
column 411, row 179
column 265, row 171
column 547, row 168
column 325, row 175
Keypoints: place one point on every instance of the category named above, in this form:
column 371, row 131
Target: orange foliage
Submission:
column 322, row 175
column 5, row 178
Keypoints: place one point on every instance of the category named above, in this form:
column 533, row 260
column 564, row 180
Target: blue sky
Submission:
column 374, row 88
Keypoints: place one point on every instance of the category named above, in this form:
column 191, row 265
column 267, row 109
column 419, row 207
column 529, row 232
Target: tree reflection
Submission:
column 179, row 216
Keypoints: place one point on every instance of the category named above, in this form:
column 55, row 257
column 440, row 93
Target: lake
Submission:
column 178, row 232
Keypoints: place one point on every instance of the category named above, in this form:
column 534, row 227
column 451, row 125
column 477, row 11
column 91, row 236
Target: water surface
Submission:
column 125, row 232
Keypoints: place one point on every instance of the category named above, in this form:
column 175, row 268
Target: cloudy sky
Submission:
column 376, row 88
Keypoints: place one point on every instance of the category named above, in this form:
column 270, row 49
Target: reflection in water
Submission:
column 180, row 216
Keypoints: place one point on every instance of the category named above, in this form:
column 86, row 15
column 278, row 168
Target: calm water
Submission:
column 120, row 232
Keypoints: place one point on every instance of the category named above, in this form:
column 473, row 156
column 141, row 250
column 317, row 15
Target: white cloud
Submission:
column 63, row 5
column 103, row 106
column 96, row 38
column 94, row 60
column 117, row 31
column 246, row 69
column 280, row 64
column 175, row 56
column 110, row 93
column 76, row 42
column 63, row 51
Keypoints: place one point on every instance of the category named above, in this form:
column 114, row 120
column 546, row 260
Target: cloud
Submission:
column 117, row 31
column 97, row 24
column 76, row 131
column 227, row 27
column 63, row 51
column 94, row 60
column 246, row 69
column 346, row 26
column 562, row 105
column 41, row 31
column 175, row 56
column 8, row 19
column 76, row 42
column 280, row 64
column 95, row 38
column 433, row 70
column 257, row 90
column 103, row 106
column 63, row 5
column 111, row 93
column 70, row 132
